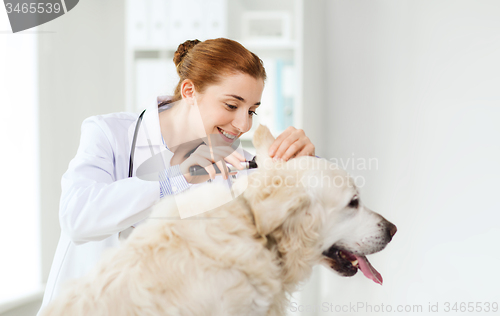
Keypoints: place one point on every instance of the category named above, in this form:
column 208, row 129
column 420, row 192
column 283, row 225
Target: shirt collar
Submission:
column 149, row 130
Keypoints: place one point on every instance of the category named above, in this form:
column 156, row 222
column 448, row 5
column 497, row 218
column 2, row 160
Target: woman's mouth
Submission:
column 226, row 136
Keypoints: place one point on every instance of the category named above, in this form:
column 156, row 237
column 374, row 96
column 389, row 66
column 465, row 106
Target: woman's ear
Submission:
column 188, row 91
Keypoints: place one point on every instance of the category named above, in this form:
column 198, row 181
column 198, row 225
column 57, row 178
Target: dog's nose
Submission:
column 392, row 229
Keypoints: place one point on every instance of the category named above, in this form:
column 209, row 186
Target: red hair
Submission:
column 206, row 63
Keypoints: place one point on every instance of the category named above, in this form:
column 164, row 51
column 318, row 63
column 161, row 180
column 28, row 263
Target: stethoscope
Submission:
column 194, row 170
column 132, row 150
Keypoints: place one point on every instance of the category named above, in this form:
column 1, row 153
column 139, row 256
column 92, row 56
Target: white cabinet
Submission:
column 270, row 29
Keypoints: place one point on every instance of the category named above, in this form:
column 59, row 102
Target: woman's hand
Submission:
column 291, row 143
column 205, row 156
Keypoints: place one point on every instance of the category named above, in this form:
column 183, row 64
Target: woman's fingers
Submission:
column 230, row 152
column 211, row 171
column 285, row 144
column 293, row 150
column 291, row 143
column 219, row 156
column 223, row 168
column 194, row 160
column 229, row 155
column 277, row 142
column 307, row 150
column 302, row 147
column 234, row 161
column 206, row 164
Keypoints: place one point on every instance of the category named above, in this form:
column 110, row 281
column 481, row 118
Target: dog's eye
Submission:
column 354, row 202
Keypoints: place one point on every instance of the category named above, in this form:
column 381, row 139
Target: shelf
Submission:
column 266, row 44
column 154, row 48
column 253, row 44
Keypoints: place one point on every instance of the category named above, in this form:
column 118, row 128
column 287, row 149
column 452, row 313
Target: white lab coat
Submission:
column 98, row 200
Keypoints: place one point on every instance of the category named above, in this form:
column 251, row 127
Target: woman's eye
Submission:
column 234, row 107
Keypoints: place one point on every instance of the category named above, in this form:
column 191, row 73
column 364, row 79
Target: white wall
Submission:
column 19, row 270
column 415, row 84
column 81, row 59
column 313, row 62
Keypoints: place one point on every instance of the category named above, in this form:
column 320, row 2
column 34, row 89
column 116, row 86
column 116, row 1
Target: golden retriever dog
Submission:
column 241, row 258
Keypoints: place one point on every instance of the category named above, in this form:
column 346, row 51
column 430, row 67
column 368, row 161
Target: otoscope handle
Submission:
column 198, row 170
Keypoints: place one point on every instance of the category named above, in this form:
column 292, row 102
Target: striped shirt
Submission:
column 172, row 180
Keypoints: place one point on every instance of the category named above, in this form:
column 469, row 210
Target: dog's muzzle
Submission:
column 347, row 263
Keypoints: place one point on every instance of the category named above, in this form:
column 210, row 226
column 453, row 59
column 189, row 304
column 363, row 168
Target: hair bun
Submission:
column 183, row 49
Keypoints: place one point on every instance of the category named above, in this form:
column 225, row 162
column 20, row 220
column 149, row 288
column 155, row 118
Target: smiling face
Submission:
column 227, row 108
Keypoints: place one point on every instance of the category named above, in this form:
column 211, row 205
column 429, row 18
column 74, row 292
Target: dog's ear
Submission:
column 283, row 209
column 274, row 200
column 273, row 214
column 273, row 194
column 262, row 140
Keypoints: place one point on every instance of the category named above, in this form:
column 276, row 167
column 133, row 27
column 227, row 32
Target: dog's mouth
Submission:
column 347, row 263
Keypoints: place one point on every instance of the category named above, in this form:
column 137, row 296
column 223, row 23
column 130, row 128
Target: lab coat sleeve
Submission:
column 94, row 205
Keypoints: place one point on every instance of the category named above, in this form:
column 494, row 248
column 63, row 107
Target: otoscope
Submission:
column 200, row 171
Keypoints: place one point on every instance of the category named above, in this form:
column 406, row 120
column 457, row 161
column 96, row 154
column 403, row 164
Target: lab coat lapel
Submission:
column 149, row 142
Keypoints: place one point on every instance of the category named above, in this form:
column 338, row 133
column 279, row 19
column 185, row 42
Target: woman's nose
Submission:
column 242, row 121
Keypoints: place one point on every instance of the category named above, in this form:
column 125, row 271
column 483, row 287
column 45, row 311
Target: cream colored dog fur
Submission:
column 239, row 259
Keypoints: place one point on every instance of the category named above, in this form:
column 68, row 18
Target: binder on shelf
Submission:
column 137, row 22
column 266, row 26
column 158, row 24
column 215, row 18
column 185, row 21
column 166, row 23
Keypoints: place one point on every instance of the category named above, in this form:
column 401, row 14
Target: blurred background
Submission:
column 403, row 94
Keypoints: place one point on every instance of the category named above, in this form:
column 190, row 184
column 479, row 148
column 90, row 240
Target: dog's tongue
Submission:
column 368, row 270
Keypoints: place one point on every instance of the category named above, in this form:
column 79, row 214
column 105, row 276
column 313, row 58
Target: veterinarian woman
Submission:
column 219, row 91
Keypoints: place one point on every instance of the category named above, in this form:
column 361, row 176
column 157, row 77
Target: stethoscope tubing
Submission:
column 132, row 150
